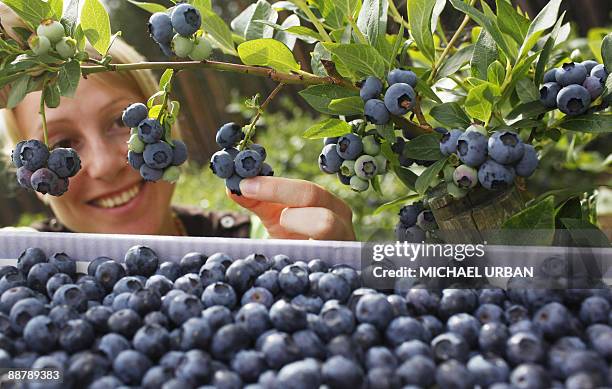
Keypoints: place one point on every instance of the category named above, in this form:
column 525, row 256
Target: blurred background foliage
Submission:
column 209, row 99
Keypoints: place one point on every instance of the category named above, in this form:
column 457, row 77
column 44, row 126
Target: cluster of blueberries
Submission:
column 355, row 159
column 492, row 161
column 178, row 33
column 234, row 165
column 415, row 221
column 50, row 34
column 573, row 87
column 399, row 98
column 274, row 323
column 148, row 153
column 42, row 170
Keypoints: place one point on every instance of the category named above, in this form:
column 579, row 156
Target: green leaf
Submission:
column 347, row 106
column 425, row 90
column 543, row 21
column 336, row 12
column 480, row 100
column 486, row 22
column 318, row 53
column 320, row 96
column 593, row 123
column 419, row 18
column 218, row 30
column 450, row 114
column 304, row 33
column 376, row 185
column 52, row 96
column 96, row 25
column 496, row 73
column 606, row 51
column 424, row 147
column 527, row 91
column 545, row 54
column 18, row 91
column 248, row 24
column 165, row 78
column 519, row 71
column 200, row 4
column 406, row 176
column 57, row 8
column 511, row 22
column 267, row 52
column 287, row 38
column 71, row 16
column 585, row 234
column 362, row 59
column 485, row 53
column 372, row 20
column 535, row 224
column 429, row 175
column 395, row 205
column 528, row 110
column 68, row 78
column 32, row 12
column 435, row 15
column 149, row 7
column 456, row 61
column 329, row 128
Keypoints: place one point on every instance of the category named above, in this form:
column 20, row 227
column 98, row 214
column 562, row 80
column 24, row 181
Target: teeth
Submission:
column 120, row 199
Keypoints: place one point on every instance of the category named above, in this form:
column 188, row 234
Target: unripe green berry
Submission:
column 201, row 49
column 358, row 184
column 135, row 144
column 348, row 168
column 39, row 44
column 171, row 174
column 382, row 164
column 365, row 167
column 181, row 45
column 477, row 128
column 455, row 191
column 370, row 145
column 66, row 47
column 465, row 177
column 51, row 29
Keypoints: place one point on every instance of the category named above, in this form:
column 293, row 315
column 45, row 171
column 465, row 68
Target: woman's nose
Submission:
column 105, row 159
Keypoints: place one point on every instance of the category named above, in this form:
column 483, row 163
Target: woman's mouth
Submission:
column 119, row 199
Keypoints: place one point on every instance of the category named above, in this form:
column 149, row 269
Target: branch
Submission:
column 303, row 78
column 260, row 110
column 395, row 14
column 419, row 113
column 43, row 116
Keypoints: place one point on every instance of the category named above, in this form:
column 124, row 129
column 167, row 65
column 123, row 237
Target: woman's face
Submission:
column 106, row 195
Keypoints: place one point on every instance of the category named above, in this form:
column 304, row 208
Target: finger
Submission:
column 317, row 223
column 293, row 193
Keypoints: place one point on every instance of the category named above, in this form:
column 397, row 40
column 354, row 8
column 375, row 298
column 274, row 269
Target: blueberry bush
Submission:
column 476, row 111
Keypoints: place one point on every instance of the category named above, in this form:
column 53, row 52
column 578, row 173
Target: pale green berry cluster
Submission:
column 51, row 37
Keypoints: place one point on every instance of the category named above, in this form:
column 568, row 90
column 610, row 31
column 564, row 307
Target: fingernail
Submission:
column 249, row 187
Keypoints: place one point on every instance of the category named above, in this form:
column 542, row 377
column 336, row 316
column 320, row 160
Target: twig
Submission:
column 395, row 14
column 43, row 116
column 260, row 111
column 419, row 113
column 167, row 90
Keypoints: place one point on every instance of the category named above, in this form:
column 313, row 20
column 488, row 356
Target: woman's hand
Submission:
column 296, row 209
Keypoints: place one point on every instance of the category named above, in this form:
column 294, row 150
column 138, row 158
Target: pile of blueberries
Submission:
column 573, row 87
column 148, row 153
column 42, row 170
column 178, row 33
column 50, row 35
column 399, row 98
column 492, row 161
column 415, row 221
column 262, row 322
column 234, row 165
column 355, row 159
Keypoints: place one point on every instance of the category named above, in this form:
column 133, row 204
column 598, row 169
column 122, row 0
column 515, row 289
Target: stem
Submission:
column 458, row 82
column 419, row 114
column 313, row 19
column 360, row 36
column 260, row 111
column 450, row 45
column 167, row 90
column 43, row 116
column 533, row 130
column 396, row 15
column 303, row 78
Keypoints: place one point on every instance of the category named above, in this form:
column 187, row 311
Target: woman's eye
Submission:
column 119, row 122
column 64, row 143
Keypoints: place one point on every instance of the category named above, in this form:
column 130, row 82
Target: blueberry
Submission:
column 259, row 262
column 571, row 73
column 594, row 309
column 127, row 284
column 304, row 374
column 376, row 112
column 254, row 318
column 402, row 76
column 418, row 370
column 266, row 170
column 56, row 281
column 573, row 100
column 465, row 177
column 106, row 382
column 487, row 313
column 371, row 146
column 248, row 163
column 170, row 270
column 550, row 75
column 98, row 317
column 505, row 147
column 400, row 98
column 62, row 314
column 150, row 130
column 76, row 335
column 189, row 283
column 548, row 94
column 383, row 378
column 448, row 142
column 137, row 112
column 158, row 155
column 258, row 295
column 309, row 344
column 359, row 184
column 366, row 167
column 152, row 340
column 221, row 258
column 594, row 86
column 24, row 177
column 125, row 322
column 160, row 28
column 240, row 275
column 488, row 370
column 465, row 325
column 529, row 376
column 211, row 272
column 130, row 366
column 599, row 71
column 64, row 162
column 374, row 309
column 349, row 146
column 11, row 296
column 552, row 320
column 380, row 356
column 450, row 346
column 412, row 234
column 409, row 213
column 157, row 376
column 219, row 293
column 371, row 88
column 141, row 260
column 186, row 19
column 528, row 163
column 183, row 307
column 179, row 152
column 40, row 334
column 286, row 317
column 421, row 300
column 144, row 301
column 589, row 65
column 222, row 164
column 229, row 340
column 268, row 280
column 136, row 160
column 39, row 274
column 44, row 181
column 454, row 374
column 472, row 148
column 229, row 135
column 71, row 295
column 495, row 176
column 524, row 347
column 411, row 348
column 15, row 154
column 405, row 328
column 426, row 221
column 340, row 372
column 201, row 49
column 332, row 286
column 293, row 280
column 181, row 45
column 335, row 320
column 108, row 273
